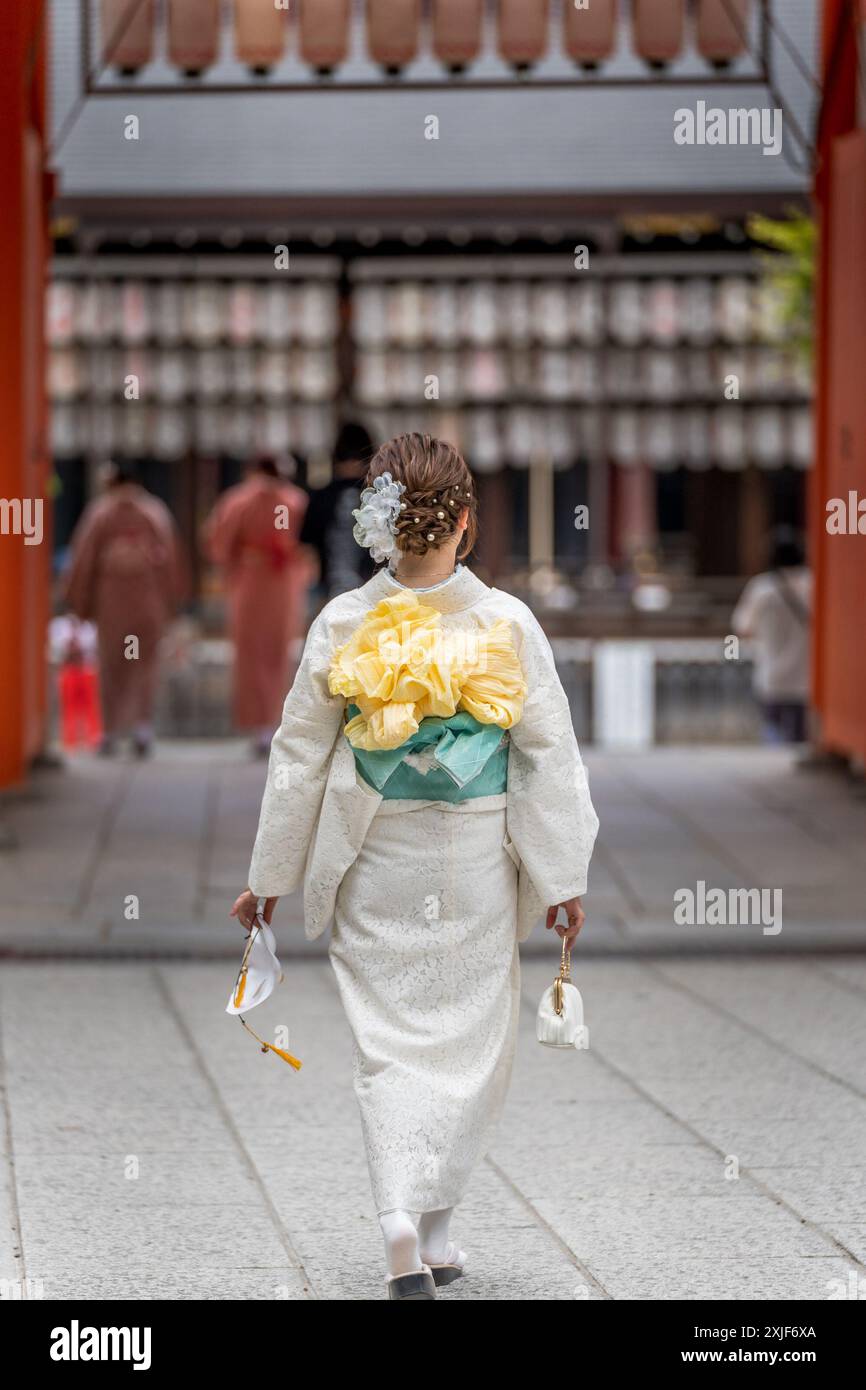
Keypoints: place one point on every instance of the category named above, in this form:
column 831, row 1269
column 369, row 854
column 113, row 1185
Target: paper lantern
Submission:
column 522, row 31
column 662, row 311
column 734, row 308
column 552, row 316
column 720, row 27
column 127, row 37
column 660, row 433
column 729, row 436
column 626, row 316
column 193, row 34
column 589, row 34
column 66, row 432
column 260, row 33
column 171, row 371
column 168, row 312
column 135, row 306
column 442, row 301
column 241, row 312
column 626, row 438
column 323, row 33
column 61, row 312
column 698, row 310
column 457, row 30
column 657, row 30
column 393, row 29
column 316, row 313
column 767, row 437
column 484, row 443
column 242, row 372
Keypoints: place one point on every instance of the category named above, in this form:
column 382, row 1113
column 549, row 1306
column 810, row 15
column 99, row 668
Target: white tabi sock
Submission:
column 401, row 1242
column 433, row 1235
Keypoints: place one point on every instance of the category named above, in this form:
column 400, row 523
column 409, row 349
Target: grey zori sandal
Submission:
column 418, row 1284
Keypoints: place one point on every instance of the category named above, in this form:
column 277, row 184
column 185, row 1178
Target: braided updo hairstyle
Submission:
column 438, row 486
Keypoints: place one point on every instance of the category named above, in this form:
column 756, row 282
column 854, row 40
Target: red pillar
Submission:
column 839, row 562
column 24, row 463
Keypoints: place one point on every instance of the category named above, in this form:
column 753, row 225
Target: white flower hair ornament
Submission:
column 376, row 518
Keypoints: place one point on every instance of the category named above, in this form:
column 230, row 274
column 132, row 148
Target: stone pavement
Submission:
column 177, row 833
column 710, row 1143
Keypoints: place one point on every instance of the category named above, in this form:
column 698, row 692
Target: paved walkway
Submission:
column 177, row 834
column 709, row 1144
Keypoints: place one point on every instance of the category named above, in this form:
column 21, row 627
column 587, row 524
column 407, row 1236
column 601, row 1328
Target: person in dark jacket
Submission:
column 328, row 523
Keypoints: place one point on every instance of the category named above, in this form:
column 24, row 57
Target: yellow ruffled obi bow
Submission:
column 401, row 666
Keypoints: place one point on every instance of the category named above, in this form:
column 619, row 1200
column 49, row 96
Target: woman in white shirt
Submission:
column 775, row 610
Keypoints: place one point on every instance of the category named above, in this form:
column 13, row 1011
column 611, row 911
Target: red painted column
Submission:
column 24, row 465
column 831, row 629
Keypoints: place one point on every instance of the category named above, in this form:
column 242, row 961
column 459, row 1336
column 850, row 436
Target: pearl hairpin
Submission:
column 430, row 536
column 440, row 515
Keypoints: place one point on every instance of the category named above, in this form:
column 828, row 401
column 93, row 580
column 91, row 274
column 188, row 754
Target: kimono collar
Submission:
column 463, row 590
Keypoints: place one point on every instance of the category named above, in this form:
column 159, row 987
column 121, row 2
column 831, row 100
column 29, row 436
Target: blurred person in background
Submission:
column 73, row 648
column 328, row 523
column 127, row 576
column 774, row 611
column 254, row 534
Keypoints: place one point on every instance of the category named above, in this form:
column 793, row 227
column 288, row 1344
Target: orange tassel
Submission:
column 269, row 1047
column 286, row 1056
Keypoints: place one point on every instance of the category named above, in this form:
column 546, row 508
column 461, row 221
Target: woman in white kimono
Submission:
column 426, row 786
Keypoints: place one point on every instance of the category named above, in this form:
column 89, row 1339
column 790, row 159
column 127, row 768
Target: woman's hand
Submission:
column 245, row 909
column 576, row 918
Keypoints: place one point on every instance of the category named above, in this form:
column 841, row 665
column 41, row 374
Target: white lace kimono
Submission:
column 427, row 900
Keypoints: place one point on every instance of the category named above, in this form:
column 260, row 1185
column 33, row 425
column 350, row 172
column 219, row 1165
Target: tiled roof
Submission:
column 348, row 143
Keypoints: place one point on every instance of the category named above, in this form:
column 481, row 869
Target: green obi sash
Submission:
column 466, row 759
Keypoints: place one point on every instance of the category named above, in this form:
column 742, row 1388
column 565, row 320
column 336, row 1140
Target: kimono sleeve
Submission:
column 551, row 819
column 297, row 771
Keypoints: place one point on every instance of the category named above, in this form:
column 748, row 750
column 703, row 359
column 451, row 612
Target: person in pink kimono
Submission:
column 126, row 576
column 254, row 534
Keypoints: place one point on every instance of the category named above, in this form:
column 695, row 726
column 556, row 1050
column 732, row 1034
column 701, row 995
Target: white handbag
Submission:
column 559, row 1022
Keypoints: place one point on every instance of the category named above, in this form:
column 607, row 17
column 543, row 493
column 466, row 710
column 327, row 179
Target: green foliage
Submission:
column 790, row 271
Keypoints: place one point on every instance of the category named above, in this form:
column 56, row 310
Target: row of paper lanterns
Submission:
column 171, row 433
column 395, row 32
column 311, row 374
column 729, row 436
column 202, row 312
column 664, row 311
column 578, row 374
column 308, row 374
